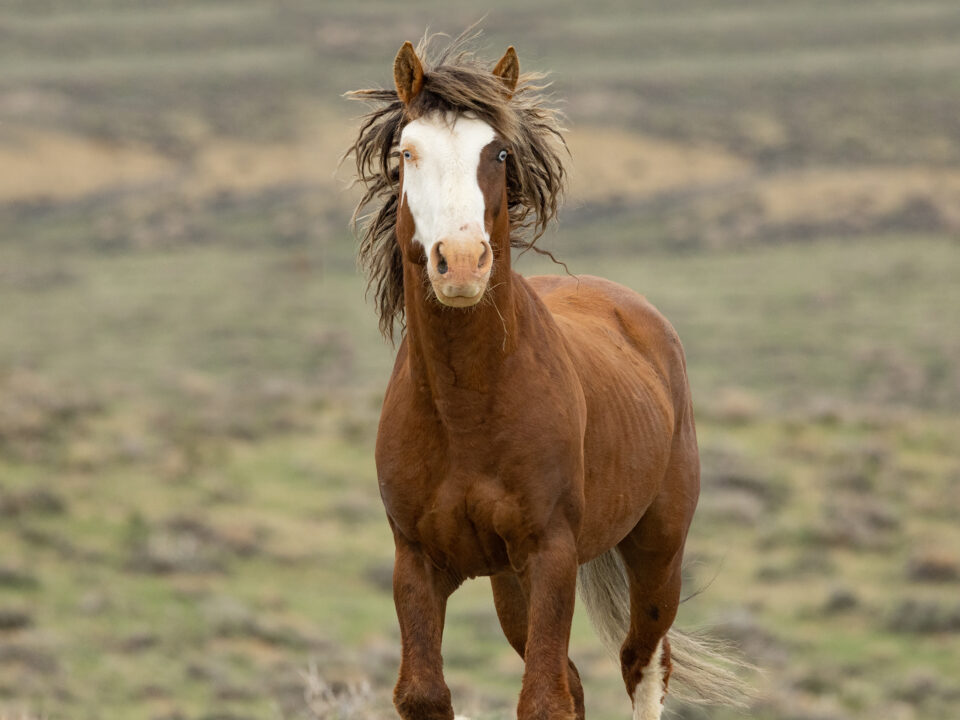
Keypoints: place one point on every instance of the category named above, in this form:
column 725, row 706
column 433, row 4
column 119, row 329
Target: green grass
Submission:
column 296, row 480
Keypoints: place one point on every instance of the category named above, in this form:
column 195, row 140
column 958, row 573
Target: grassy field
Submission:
column 190, row 378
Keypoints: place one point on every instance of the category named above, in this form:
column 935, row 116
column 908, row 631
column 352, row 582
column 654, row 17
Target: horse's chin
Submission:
column 458, row 301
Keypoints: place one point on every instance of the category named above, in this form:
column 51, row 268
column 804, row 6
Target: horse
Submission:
column 535, row 430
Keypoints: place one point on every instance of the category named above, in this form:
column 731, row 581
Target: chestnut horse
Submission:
column 535, row 430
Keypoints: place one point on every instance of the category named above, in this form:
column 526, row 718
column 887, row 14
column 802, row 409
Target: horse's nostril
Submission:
column 439, row 261
column 483, row 256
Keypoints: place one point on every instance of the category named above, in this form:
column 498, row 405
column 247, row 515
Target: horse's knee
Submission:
column 418, row 701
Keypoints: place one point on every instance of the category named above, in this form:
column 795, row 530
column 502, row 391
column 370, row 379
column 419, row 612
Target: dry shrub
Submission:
column 61, row 543
column 733, row 489
column 28, row 656
column 380, row 576
column 16, row 579
column 757, row 644
column 924, row 617
column 36, row 415
column 860, row 467
column 137, row 642
column 919, row 687
column 31, row 501
column 228, row 617
column 934, row 565
column 734, row 506
column 355, row 509
column 733, row 406
column 809, row 562
column 858, row 522
column 840, row 600
column 336, row 700
column 14, row 619
column 183, row 544
column 201, row 416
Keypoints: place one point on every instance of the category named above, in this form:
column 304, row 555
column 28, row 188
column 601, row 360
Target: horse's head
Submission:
column 442, row 200
column 453, row 186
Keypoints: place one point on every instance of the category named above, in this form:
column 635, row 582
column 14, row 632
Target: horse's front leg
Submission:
column 550, row 581
column 420, row 592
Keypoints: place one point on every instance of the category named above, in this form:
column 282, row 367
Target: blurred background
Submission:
column 190, row 377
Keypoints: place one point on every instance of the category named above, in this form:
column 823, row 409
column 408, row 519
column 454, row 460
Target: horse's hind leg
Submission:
column 511, row 604
column 652, row 553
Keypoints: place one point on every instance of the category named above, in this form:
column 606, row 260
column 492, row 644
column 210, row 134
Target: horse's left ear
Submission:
column 508, row 70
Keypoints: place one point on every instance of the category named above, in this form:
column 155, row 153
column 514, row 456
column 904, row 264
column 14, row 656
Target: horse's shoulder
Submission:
column 601, row 299
column 594, row 311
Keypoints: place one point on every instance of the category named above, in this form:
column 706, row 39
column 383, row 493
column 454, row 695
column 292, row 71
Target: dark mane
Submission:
column 454, row 80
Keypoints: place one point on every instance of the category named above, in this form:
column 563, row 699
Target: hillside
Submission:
column 190, row 378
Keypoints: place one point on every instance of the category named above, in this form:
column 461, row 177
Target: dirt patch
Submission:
column 242, row 166
column 615, row 164
column 49, row 165
column 859, row 195
column 45, row 165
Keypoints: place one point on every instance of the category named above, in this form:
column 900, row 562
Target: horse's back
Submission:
column 600, row 315
column 632, row 370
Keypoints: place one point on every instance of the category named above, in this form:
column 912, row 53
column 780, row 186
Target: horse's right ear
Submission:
column 407, row 73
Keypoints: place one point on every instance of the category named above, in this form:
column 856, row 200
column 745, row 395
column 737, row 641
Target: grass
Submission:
column 282, row 495
column 190, row 379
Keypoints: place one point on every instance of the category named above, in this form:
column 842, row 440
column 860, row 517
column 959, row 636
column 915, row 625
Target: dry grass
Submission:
column 858, row 195
column 53, row 165
column 724, row 197
column 611, row 164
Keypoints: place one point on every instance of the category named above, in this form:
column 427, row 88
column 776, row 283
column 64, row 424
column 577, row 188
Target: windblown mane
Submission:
column 454, row 80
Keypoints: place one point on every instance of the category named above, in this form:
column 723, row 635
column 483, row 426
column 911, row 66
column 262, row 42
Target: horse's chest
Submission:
column 454, row 520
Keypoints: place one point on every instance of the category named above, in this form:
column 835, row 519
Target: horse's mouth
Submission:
column 458, row 300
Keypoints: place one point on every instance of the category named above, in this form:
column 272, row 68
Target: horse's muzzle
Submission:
column 459, row 269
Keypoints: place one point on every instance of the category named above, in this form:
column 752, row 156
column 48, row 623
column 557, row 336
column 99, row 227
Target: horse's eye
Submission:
column 407, row 155
column 502, row 156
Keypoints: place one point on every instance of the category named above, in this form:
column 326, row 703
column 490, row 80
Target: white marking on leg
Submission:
column 648, row 695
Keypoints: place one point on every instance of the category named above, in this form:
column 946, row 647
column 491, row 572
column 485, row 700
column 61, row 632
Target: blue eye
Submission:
column 407, row 155
column 502, row 156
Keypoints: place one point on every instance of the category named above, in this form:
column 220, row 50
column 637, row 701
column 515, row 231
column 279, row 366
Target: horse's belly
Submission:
column 626, row 454
column 614, row 504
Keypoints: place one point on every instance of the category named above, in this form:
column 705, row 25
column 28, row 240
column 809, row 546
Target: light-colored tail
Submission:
column 705, row 669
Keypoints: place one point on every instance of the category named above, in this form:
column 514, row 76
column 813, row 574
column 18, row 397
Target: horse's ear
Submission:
column 407, row 73
column 508, row 70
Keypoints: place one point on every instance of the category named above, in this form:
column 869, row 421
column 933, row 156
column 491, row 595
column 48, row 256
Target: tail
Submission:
column 704, row 668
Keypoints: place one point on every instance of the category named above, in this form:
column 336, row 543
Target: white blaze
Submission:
column 440, row 184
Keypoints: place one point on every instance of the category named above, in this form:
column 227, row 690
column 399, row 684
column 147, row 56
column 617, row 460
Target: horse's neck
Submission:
column 458, row 353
